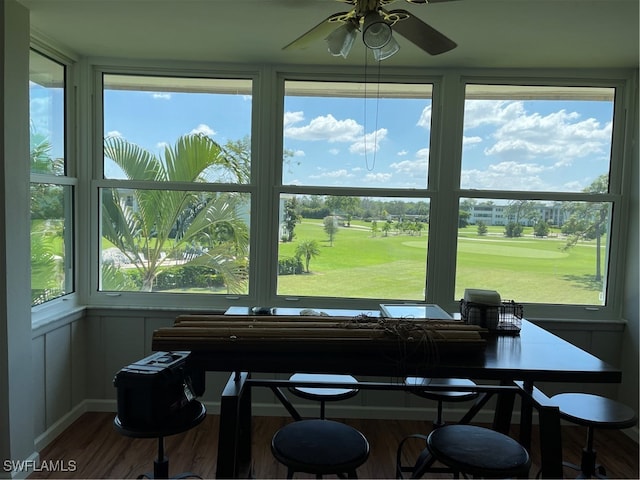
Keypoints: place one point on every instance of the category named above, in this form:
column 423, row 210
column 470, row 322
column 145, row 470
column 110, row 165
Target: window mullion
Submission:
column 444, row 183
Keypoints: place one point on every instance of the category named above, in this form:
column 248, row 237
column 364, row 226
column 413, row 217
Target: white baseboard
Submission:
column 336, row 410
column 276, row 410
column 358, row 411
column 59, row 426
column 101, row 405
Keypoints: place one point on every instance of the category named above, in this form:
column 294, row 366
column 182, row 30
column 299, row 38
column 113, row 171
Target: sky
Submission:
column 507, row 144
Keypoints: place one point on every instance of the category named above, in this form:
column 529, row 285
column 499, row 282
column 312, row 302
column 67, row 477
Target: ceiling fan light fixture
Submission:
column 341, row 40
column 390, row 49
column 376, row 33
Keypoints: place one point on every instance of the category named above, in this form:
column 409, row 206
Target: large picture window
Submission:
column 175, row 152
column 349, row 149
column 407, row 189
column 548, row 239
column 52, row 184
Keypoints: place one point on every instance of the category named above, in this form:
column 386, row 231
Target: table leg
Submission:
column 286, row 403
column 550, row 432
column 234, row 435
column 504, row 410
column 550, row 442
column 245, row 417
column 526, row 416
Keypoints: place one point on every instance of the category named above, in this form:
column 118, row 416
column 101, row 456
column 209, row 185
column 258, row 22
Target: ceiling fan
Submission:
column 340, row 29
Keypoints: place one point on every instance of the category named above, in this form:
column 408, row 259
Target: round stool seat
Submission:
column 320, row 447
column 478, row 451
column 323, row 393
column 443, row 395
column 185, row 419
column 192, row 414
column 594, row 411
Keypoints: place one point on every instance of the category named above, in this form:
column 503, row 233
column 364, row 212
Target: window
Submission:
column 175, row 195
column 349, row 193
column 542, row 231
column 354, row 206
column 52, row 186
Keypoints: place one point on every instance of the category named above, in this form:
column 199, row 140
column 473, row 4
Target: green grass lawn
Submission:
column 526, row 269
column 359, row 265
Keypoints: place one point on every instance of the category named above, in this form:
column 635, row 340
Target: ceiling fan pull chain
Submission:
column 375, row 134
column 364, row 133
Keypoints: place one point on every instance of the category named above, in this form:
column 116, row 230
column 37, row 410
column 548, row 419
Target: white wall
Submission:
column 16, row 408
column 630, row 360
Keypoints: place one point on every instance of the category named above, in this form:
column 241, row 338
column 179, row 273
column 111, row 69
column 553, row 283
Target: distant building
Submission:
column 553, row 214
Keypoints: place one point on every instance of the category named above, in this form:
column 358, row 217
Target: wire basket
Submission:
column 505, row 318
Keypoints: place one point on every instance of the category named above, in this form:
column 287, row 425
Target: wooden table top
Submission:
column 534, row 355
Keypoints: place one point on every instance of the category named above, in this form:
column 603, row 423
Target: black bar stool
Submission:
column 441, row 396
column 323, row 394
column 320, row 447
column 592, row 411
column 185, row 419
column 478, row 451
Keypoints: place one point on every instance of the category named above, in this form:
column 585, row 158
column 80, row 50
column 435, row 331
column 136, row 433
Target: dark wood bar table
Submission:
column 516, row 362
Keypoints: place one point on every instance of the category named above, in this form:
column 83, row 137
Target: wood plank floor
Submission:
column 98, row 451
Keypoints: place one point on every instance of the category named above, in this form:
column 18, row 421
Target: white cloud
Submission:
column 514, row 168
column 413, row 173
column 559, row 135
column 423, row 153
column 161, row 96
column 114, row 133
column 410, row 167
column 326, row 128
column 161, row 145
column 334, row 174
column 368, row 143
column 203, row 129
column 292, row 117
column 506, row 176
column 402, row 153
column 425, row 118
column 299, row 153
column 329, row 129
column 377, row 178
column 532, row 150
column 491, row 112
column 471, row 140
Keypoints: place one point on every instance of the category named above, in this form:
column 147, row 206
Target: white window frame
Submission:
column 69, row 303
column 168, row 301
column 443, row 190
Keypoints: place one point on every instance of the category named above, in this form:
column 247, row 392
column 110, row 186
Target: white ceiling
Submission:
column 489, row 33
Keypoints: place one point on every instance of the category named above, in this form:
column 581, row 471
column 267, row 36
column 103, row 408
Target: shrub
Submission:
column 290, row 266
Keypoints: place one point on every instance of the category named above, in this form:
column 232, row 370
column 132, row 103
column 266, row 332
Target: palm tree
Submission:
column 151, row 226
column 47, row 223
column 307, row 249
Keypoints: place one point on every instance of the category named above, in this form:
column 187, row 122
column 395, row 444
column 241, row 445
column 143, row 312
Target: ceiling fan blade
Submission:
column 319, row 32
column 424, row 36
